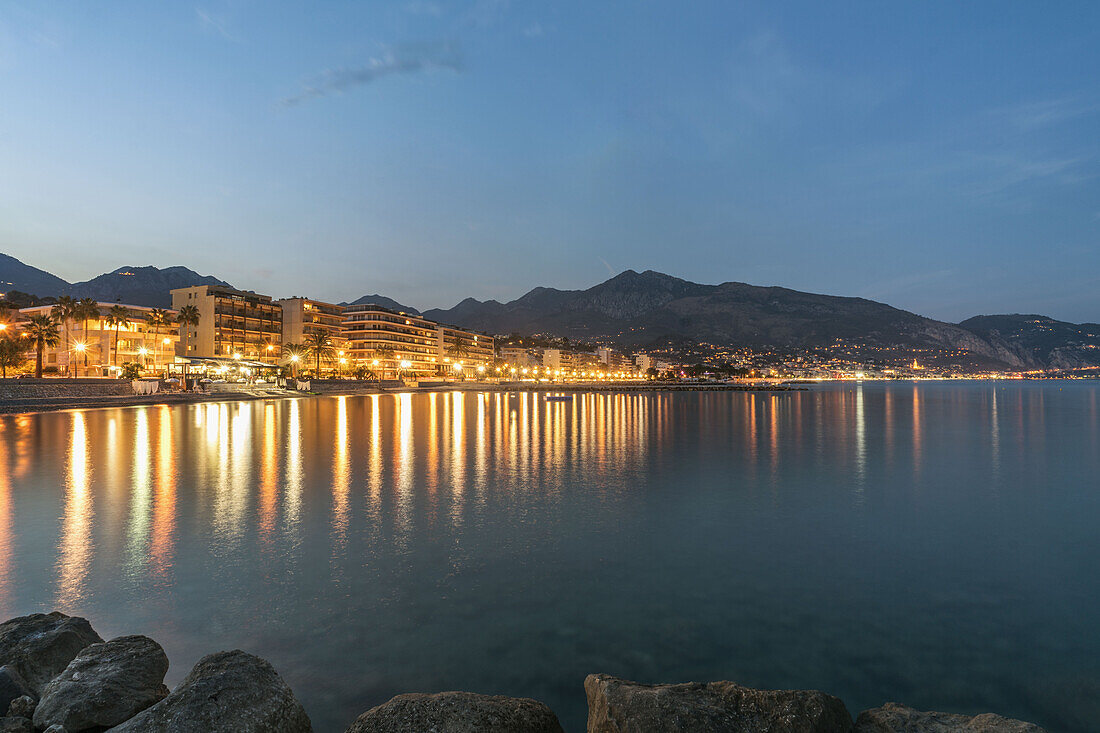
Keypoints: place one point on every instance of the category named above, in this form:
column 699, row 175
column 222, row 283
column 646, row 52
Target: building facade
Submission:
column 303, row 317
column 232, row 323
column 102, row 348
column 388, row 340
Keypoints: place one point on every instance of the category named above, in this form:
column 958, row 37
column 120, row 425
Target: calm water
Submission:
column 937, row 544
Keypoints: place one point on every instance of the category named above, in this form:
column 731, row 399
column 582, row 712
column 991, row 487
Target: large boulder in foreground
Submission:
column 894, row 718
column 41, row 645
column 457, row 712
column 105, row 685
column 12, row 687
column 619, row 706
column 15, row 724
column 226, row 692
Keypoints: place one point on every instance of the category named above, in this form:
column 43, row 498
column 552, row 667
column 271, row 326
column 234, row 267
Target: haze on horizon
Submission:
column 942, row 158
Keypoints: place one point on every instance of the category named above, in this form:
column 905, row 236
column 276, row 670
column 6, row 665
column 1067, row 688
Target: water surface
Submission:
column 934, row 543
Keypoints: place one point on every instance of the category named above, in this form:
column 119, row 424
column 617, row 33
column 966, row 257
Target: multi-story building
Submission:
column 232, row 323
column 558, row 360
column 103, row 346
column 303, row 317
column 615, row 361
column 414, row 344
column 521, row 357
column 458, row 346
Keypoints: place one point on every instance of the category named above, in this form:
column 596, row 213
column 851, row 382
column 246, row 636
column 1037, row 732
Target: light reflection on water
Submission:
column 933, row 543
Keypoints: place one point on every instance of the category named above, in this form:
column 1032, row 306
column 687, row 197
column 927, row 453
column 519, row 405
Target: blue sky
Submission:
column 939, row 156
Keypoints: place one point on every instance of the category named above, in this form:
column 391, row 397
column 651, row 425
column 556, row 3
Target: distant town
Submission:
column 219, row 333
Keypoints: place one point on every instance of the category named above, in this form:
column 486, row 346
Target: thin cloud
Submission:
column 404, row 60
column 216, row 24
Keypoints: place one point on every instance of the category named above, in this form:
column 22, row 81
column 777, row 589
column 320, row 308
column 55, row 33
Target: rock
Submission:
column 225, row 692
column 105, row 685
column 895, row 718
column 457, row 712
column 16, row 724
column 22, row 707
column 41, row 645
column 55, row 728
column 619, row 706
column 12, row 686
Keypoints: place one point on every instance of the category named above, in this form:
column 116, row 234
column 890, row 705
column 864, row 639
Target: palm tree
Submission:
column 117, row 317
column 12, row 354
column 42, row 331
column 156, row 318
column 458, row 350
column 385, row 353
column 320, row 344
column 64, row 311
column 295, row 353
column 188, row 317
column 86, row 310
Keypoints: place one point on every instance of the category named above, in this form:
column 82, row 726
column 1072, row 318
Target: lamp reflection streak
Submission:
column 164, row 507
column 75, row 547
column 7, row 544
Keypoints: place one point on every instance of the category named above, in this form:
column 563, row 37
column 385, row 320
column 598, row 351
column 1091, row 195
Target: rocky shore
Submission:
column 59, row 676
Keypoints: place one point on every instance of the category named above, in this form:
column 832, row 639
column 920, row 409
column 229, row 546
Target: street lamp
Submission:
column 78, row 347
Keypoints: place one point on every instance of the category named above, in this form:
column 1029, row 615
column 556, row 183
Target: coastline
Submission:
column 13, row 404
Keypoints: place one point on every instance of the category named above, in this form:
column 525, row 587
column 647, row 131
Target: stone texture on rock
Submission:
column 12, row 686
column 457, row 712
column 15, row 724
column 104, row 685
column 22, row 707
column 226, row 692
column 41, row 645
column 895, row 718
column 619, row 706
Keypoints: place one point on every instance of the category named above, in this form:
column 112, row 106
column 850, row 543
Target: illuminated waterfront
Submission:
column 930, row 543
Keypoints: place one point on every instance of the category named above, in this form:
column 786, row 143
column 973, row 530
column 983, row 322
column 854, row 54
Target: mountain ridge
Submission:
column 649, row 308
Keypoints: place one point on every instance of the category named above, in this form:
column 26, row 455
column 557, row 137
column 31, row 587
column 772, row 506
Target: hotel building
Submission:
column 425, row 346
column 303, row 317
column 231, row 323
column 137, row 342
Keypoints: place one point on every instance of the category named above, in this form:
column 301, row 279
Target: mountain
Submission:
column 1040, row 340
column 640, row 309
column 15, row 275
column 147, row 286
column 385, row 302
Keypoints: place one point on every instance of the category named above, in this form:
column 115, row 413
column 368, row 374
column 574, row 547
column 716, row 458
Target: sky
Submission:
column 942, row 157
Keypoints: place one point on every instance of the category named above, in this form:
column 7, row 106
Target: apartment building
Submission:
column 232, row 323
column 412, row 343
column 303, row 317
column 102, row 347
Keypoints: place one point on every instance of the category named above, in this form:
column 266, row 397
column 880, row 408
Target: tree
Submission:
column 42, row 331
column 458, row 351
column 12, row 355
column 294, row 353
column 385, row 354
column 66, row 310
column 157, row 318
column 188, row 317
column 320, row 344
column 117, row 317
column 130, row 370
column 86, row 309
